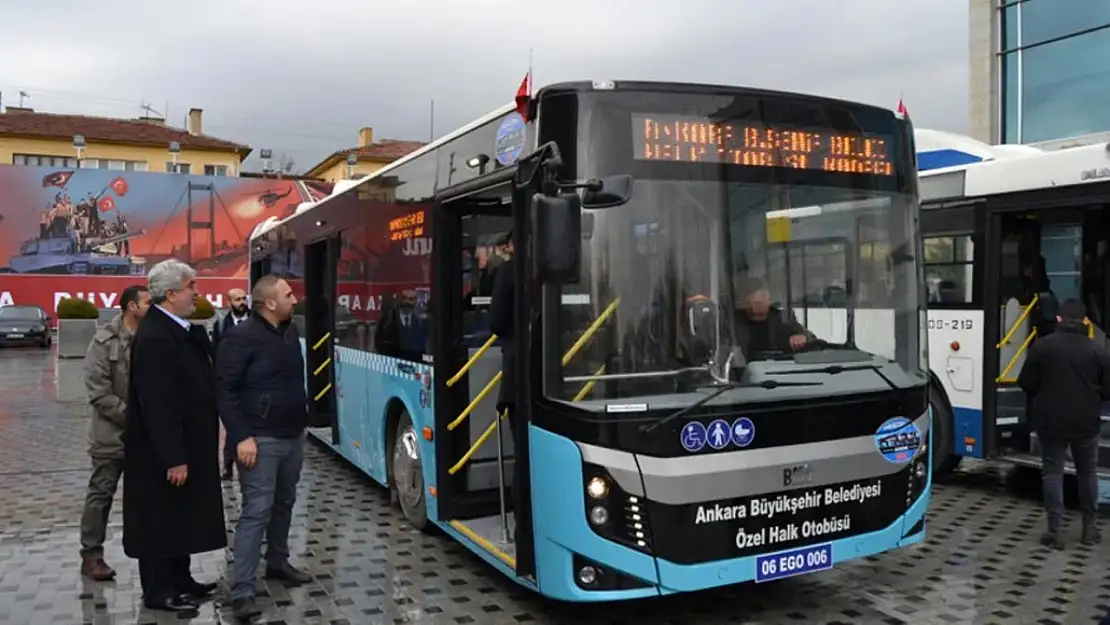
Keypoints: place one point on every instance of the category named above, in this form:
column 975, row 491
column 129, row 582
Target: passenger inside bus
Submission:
column 402, row 331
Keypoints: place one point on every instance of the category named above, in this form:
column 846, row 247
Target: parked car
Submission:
column 21, row 325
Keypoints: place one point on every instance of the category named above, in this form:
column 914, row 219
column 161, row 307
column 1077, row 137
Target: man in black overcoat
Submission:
column 172, row 499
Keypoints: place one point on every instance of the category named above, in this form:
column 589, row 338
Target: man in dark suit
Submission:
column 403, row 329
column 172, row 499
column 238, row 313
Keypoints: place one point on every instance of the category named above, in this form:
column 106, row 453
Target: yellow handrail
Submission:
column 574, row 349
column 478, row 443
column 474, row 403
column 1013, row 361
column 324, row 365
column 589, row 386
column 473, row 359
column 1020, row 319
column 489, row 430
column 591, row 331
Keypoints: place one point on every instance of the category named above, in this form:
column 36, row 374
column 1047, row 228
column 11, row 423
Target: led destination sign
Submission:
column 407, row 227
column 700, row 140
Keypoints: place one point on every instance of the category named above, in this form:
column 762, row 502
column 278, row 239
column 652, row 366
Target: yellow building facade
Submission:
column 33, row 139
column 364, row 159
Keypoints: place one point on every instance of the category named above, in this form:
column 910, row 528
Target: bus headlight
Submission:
column 920, row 469
column 599, row 515
column 587, row 575
column 597, row 488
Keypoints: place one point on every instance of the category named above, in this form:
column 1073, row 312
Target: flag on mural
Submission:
column 56, row 179
column 106, row 204
column 523, row 94
column 119, row 185
column 901, row 110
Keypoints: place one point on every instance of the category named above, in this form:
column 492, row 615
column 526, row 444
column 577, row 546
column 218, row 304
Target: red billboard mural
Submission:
column 89, row 233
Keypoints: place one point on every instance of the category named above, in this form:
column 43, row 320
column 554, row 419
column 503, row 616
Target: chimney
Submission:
column 365, row 136
column 194, row 126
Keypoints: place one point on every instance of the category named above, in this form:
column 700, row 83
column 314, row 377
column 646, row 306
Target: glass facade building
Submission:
column 1054, row 69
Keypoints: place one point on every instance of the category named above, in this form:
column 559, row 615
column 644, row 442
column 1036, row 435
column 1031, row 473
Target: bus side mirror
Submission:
column 607, row 192
column 557, row 222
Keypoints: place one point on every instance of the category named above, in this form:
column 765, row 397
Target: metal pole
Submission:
column 501, row 483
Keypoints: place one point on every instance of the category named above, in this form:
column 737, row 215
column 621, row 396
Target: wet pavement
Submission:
column 981, row 564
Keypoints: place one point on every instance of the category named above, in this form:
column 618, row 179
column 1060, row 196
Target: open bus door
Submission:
column 1010, row 314
column 320, row 261
column 476, row 452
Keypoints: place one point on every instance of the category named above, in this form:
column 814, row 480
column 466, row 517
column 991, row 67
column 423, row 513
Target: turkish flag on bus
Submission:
column 901, row 110
column 523, row 95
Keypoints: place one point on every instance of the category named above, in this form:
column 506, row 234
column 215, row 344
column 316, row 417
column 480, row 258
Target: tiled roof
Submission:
column 386, row 151
column 109, row 130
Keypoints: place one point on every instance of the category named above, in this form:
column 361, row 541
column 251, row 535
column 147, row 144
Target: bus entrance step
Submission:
column 486, row 532
column 1103, row 461
column 1034, row 462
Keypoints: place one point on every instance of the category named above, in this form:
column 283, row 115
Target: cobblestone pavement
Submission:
column 981, row 563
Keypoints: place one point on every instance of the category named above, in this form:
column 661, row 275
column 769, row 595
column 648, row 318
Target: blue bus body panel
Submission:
column 967, row 425
column 559, row 519
column 366, row 385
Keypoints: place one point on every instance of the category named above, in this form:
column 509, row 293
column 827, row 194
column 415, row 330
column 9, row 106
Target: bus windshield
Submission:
column 705, row 268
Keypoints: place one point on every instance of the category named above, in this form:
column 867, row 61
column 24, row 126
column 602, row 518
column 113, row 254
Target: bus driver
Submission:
column 759, row 327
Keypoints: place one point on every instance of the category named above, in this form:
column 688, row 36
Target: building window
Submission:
column 1065, row 87
column 1011, row 94
column 215, row 170
column 42, row 160
column 948, row 269
column 90, row 163
column 1043, row 20
column 1011, row 27
column 178, row 168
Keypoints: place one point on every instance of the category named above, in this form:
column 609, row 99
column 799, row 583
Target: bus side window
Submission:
column 948, row 269
column 353, row 308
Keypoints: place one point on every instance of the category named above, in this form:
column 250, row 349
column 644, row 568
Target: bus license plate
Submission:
column 15, row 336
column 794, row 562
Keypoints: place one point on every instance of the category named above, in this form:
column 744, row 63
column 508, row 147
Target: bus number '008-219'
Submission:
column 793, row 562
column 951, row 324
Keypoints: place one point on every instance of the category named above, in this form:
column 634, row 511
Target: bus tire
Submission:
column 944, row 461
column 407, row 476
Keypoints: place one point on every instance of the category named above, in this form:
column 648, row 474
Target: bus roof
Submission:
column 346, row 186
column 1025, row 172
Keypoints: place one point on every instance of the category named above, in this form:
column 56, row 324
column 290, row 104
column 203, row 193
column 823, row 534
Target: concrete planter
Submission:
column 74, row 336
column 69, row 381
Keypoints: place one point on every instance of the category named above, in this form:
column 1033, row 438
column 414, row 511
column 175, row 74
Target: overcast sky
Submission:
column 271, row 75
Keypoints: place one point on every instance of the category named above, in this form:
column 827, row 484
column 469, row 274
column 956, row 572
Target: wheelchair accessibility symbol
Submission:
column 692, row 436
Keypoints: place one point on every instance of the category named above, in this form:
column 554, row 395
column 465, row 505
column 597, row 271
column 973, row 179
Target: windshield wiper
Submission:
column 720, row 390
column 834, row 369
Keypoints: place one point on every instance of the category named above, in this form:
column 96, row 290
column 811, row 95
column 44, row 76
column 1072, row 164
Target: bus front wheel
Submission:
column 944, row 461
column 408, row 475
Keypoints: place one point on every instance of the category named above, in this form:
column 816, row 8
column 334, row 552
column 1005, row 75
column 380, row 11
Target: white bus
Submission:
column 990, row 230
